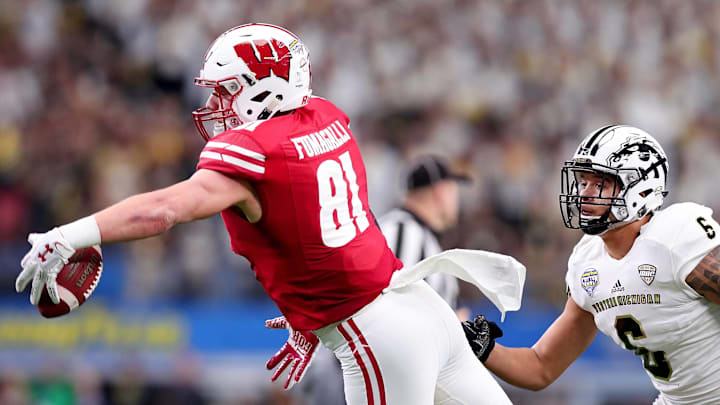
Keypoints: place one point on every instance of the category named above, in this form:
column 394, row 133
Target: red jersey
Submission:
column 317, row 249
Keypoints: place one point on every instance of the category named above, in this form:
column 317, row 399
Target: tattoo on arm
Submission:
column 705, row 278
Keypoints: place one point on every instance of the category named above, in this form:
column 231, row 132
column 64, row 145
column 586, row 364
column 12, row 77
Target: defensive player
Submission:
column 647, row 277
column 286, row 173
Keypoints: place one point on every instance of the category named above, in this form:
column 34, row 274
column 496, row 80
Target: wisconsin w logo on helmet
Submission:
column 255, row 71
column 263, row 57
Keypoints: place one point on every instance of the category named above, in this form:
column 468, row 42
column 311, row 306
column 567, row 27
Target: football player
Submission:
column 286, row 173
column 647, row 277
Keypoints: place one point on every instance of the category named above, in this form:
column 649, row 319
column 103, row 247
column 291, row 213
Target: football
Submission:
column 75, row 282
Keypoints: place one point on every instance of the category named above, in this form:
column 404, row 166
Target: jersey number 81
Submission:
column 338, row 224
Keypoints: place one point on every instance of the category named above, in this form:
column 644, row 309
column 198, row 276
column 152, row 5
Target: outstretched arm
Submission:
column 140, row 216
column 705, row 278
column 204, row 194
column 562, row 343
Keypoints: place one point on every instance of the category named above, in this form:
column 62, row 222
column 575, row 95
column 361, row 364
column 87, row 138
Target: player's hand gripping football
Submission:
column 296, row 354
column 481, row 335
column 49, row 253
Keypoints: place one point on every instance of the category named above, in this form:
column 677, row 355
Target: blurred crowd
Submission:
column 95, row 101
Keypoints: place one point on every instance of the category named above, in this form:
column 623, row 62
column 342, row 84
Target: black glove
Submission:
column 481, row 335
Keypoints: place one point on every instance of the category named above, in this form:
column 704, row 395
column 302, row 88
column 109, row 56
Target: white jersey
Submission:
column 644, row 304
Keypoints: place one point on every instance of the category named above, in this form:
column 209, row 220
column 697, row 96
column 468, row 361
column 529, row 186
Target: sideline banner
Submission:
column 225, row 327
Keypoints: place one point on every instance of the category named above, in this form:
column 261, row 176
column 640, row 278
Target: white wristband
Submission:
column 82, row 233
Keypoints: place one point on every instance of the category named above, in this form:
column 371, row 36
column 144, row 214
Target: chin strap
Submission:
column 218, row 128
column 597, row 225
column 221, row 126
column 602, row 225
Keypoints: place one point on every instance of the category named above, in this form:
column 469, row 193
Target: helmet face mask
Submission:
column 579, row 210
column 630, row 159
column 216, row 120
column 264, row 69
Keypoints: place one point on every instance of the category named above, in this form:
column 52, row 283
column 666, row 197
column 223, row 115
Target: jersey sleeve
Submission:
column 694, row 233
column 235, row 154
column 577, row 263
column 570, row 274
column 568, row 291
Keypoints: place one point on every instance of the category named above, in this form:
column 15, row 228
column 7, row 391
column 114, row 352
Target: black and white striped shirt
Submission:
column 412, row 240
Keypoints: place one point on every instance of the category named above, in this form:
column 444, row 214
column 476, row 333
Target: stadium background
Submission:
column 95, row 101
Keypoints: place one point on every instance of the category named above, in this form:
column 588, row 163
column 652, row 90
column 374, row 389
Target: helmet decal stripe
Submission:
column 592, row 139
column 653, row 168
column 597, row 144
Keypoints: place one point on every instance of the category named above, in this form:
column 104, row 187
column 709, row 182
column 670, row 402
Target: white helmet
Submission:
column 636, row 162
column 265, row 69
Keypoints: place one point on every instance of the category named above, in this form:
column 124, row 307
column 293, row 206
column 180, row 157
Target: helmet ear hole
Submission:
column 260, row 97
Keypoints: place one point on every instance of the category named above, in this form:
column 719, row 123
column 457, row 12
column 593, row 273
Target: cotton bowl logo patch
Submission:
column 589, row 280
column 647, row 273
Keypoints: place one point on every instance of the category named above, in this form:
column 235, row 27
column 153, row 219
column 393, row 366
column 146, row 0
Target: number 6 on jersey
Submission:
column 337, row 225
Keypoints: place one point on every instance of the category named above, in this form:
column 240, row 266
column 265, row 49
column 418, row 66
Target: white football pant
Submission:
column 407, row 348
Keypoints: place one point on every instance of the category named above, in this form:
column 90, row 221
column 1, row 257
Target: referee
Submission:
column 431, row 207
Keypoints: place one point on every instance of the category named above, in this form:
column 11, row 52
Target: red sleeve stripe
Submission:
column 233, row 161
column 237, row 149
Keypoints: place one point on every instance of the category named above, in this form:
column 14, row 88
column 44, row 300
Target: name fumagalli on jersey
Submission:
column 325, row 140
column 644, row 304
